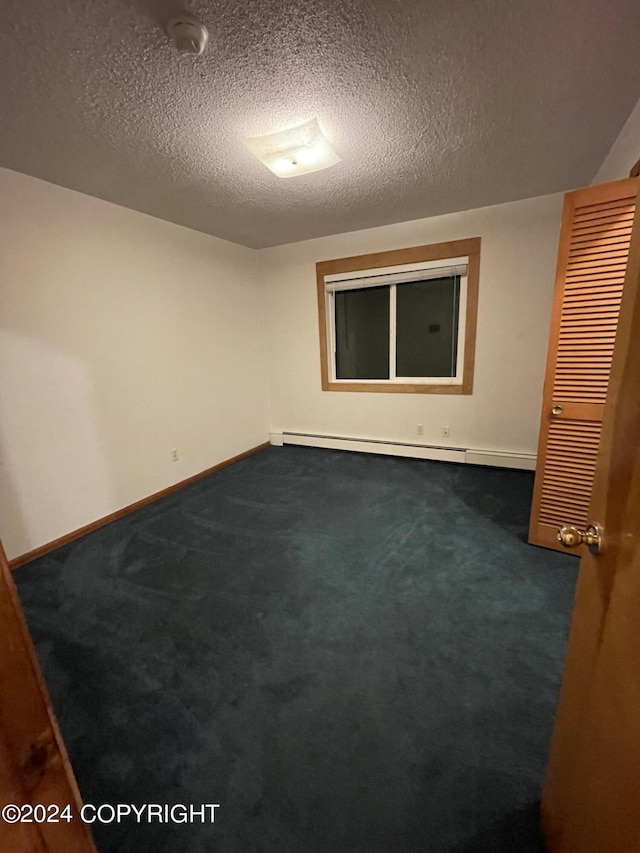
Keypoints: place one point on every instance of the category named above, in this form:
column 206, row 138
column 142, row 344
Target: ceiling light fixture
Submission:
column 294, row 151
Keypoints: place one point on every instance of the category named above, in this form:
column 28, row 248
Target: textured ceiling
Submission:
column 433, row 105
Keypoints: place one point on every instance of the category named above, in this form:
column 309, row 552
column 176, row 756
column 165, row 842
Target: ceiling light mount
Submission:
column 188, row 34
column 294, row 151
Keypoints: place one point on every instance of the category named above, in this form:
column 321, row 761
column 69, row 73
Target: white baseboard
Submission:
column 499, row 459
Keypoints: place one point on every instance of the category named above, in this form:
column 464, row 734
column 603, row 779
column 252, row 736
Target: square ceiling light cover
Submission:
column 295, row 151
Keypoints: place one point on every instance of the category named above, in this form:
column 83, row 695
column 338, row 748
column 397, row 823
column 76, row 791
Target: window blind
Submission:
column 394, row 278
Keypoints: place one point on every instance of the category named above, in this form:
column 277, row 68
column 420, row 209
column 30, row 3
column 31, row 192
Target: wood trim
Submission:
column 34, row 764
column 395, row 257
column 395, row 387
column 416, row 254
column 42, row 550
column 635, row 170
column 322, row 327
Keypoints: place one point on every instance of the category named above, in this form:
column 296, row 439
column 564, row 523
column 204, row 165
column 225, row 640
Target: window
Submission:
column 400, row 321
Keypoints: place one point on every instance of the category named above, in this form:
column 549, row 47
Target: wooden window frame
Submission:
column 416, row 254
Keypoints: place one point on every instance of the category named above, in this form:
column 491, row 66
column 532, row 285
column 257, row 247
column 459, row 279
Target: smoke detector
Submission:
column 188, row 34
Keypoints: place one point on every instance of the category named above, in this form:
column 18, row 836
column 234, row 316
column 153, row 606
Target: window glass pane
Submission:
column 362, row 333
column 427, row 327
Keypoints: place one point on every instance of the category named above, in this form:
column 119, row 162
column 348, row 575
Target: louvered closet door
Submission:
column 592, row 259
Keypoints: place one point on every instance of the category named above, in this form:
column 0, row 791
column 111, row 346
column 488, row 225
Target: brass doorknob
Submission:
column 557, row 410
column 591, row 536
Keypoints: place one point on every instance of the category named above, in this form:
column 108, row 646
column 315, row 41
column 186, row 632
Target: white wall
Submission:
column 121, row 337
column 624, row 153
column 518, row 256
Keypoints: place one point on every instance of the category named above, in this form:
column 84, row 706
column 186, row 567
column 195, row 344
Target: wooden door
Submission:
column 591, row 800
column 592, row 260
column 34, row 767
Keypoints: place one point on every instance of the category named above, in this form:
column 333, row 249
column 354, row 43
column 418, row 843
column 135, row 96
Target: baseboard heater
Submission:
column 497, row 458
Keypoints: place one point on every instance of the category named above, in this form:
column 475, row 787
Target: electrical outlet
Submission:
column 445, row 431
column 174, row 454
column 419, row 429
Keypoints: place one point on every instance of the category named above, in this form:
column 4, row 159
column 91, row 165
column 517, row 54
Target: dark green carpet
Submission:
column 351, row 653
